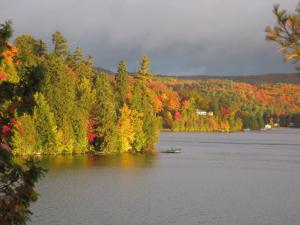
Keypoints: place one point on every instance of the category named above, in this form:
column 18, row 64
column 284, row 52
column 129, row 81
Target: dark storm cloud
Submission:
column 181, row 36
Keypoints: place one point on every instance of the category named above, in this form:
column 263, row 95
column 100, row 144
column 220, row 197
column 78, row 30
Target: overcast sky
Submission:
column 214, row 37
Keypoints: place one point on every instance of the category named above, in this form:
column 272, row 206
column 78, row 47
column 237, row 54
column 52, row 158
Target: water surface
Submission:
column 219, row 179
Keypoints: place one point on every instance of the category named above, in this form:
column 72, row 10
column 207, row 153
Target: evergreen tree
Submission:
column 41, row 48
column 78, row 55
column 104, row 115
column 260, row 120
column 24, row 140
column 84, row 68
column 144, row 66
column 191, row 116
column 122, row 85
column 286, row 33
column 144, row 72
column 253, row 122
column 58, row 87
column 216, row 106
column 30, row 56
column 85, row 97
column 61, row 47
column 141, row 102
column 48, row 137
column 139, row 141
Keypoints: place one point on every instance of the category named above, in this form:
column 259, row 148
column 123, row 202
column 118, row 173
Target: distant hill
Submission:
column 102, row 70
column 292, row 78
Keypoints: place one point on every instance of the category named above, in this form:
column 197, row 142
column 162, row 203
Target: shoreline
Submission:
column 37, row 155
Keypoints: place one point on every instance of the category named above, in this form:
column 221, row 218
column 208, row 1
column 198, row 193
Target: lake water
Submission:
column 219, row 179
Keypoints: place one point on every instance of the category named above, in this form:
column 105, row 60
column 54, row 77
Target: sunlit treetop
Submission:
column 286, row 33
column 61, row 47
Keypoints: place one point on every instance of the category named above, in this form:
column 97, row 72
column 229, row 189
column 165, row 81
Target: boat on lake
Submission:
column 172, row 150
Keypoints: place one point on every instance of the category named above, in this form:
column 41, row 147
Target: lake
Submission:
column 250, row 178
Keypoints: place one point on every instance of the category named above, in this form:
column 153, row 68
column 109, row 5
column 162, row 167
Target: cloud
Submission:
column 181, row 36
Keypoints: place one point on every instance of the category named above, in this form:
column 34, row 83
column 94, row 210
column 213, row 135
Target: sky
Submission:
column 182, row 37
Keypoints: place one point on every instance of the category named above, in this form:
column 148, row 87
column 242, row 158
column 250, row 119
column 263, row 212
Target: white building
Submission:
column 268, row 126
column 210, row 113
column 201, row 112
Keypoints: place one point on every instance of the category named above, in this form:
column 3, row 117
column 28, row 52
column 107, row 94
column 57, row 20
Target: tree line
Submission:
column 226, row 106
column 56, row 102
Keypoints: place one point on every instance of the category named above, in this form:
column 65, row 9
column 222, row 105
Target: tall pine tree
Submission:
column 58, row 88
column 44, row 121
column 121, row 84
column 61, row 47
column 85, row 97
column 104, row 115
column 141, row 102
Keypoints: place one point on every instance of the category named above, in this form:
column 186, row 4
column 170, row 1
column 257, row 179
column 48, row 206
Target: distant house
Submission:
column 204, row 113
column 268, row 126
column 210, row 113
column 201, row 112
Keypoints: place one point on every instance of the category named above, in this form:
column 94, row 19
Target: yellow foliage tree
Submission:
column 125, row 129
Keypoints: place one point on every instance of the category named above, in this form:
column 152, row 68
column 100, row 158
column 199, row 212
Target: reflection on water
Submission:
column 218, row 179
column 126, row 161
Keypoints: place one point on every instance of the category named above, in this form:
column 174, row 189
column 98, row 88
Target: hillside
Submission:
column 291, row 78
column 251, row 79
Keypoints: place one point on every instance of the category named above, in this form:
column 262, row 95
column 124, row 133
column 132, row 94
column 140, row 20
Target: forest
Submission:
column 56, row 102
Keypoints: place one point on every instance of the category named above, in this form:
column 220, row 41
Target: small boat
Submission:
column 172, row 150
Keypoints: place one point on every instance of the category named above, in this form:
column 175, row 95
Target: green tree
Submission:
column 141, row 102
column 24, row 140
column 104, row 115
column 253, row 125
column 58, row 87
column 29, row 50
column 215, row 106
column 61, row 47
column 286, row 33
column 144, row 70
column 44, row 121
column 77, row 56
column 85, row 97
column 30, row 56
column 191, row 116
column 139, row 141
column 122, row 85
column 260, row 120
column 82, row 67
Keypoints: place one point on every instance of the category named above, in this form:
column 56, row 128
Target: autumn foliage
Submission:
column 61, row 104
